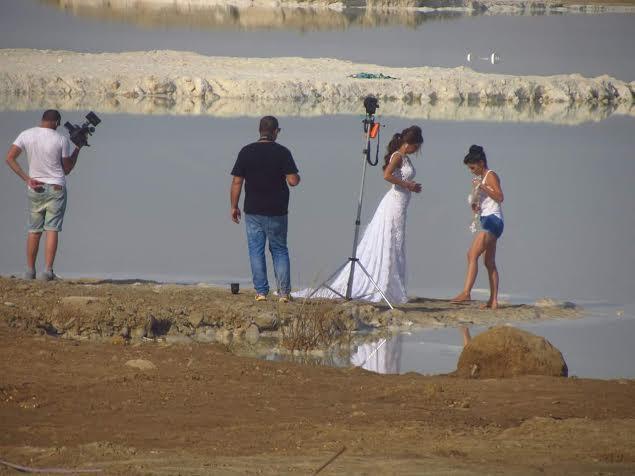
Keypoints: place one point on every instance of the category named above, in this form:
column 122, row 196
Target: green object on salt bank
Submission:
column 371, row 76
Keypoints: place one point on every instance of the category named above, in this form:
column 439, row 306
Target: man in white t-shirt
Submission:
column 51, row 157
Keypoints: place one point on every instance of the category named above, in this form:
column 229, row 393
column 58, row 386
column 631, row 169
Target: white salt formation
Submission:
column 185, row 82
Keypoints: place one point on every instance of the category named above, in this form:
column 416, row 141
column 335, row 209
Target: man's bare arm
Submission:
column 68, row 163
column 234, row 197
column 12, row 162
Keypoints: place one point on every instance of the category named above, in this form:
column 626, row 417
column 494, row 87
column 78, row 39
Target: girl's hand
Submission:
column 413, row 186
column 476, row 182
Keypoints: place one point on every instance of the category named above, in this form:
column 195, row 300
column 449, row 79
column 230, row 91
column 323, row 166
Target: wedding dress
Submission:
column 382, row 249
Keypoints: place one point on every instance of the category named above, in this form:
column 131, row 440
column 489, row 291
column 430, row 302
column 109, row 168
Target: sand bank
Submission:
column 98, row 310
column 197, row 81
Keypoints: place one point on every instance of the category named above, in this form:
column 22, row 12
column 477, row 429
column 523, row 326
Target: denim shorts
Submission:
column 47, row 204
column 493, row 224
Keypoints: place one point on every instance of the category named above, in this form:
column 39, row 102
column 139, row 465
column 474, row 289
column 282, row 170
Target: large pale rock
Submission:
column 509, row 352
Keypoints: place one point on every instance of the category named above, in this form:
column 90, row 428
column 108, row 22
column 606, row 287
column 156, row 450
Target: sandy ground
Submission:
column 199, row 409
column 103, row 310
column 202, row 410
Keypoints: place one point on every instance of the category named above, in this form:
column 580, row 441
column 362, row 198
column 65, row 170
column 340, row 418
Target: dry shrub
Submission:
column 315, row 325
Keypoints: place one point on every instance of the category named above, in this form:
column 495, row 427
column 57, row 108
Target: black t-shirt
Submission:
column 264, row 166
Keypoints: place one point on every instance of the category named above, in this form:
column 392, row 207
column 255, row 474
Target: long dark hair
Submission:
column 475, row 155
column 410, row 135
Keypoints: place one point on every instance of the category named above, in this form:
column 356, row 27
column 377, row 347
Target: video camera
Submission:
column 371, row 104
column 79, row 134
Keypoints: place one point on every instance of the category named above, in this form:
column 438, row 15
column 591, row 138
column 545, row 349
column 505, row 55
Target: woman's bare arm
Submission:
column 394, row 164
column 492, row 187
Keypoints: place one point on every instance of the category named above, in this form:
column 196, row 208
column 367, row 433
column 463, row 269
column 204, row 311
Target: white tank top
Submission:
column 489, row 206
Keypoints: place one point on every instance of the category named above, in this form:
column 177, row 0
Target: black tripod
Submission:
column 370, row 129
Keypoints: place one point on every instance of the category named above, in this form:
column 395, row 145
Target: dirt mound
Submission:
column 508, row 352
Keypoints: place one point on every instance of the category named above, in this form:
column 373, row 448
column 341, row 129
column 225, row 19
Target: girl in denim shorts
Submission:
column 486, row 201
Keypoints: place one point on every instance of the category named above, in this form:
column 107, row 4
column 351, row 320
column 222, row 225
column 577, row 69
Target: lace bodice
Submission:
column 405, row 172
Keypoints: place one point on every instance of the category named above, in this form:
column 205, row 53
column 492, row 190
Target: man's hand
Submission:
column 234, row 197
column 34, row 184
column 236, row 216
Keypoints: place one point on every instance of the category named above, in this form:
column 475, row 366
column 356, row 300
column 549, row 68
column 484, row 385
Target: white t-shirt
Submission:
column 44, row 149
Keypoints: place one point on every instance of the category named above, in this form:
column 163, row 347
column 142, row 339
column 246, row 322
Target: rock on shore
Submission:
column 197, row 80
column 508, row 352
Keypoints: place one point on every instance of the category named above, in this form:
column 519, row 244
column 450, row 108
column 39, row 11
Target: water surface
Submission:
column 150, row 199
column 591, row 45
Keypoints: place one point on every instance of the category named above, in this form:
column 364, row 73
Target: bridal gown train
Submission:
column 382, row 249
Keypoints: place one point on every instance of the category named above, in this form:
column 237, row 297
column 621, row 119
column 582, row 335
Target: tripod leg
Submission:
column 382, row 342
column 323, row 284
column 375, row 284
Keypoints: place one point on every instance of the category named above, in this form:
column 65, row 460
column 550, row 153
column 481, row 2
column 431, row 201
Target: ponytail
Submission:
column 393, row 146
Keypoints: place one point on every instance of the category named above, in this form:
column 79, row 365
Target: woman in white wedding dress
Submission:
column 382, row 249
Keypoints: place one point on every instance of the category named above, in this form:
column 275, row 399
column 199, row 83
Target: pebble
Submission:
column 141, row 364
column 178, row 339
column 9, row 304
column 266, row 321
column 252, row 334
column 196, row 318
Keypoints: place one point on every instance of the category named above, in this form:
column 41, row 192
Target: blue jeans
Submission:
column 261, row 228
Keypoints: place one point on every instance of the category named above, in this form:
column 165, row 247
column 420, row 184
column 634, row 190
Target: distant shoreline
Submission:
column 482, row 5
column 319, row 15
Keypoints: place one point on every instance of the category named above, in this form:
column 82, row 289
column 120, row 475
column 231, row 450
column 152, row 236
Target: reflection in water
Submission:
column 250, row 15
column 465, row 334
column 553, row 113
column 153, row 14
column 383, row 357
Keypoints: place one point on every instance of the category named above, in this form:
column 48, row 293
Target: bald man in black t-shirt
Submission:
column 267, row 169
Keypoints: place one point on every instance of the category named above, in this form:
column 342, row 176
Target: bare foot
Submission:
column 490, row 305
column 462, row 297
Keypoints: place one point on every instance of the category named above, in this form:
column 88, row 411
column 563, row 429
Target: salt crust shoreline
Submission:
column 482, row 6
column 312, row 15
column 188, row 82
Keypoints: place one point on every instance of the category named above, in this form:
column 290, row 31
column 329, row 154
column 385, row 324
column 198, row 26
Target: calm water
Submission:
column 599, row 346
column 150, row 199
column 587, row 44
